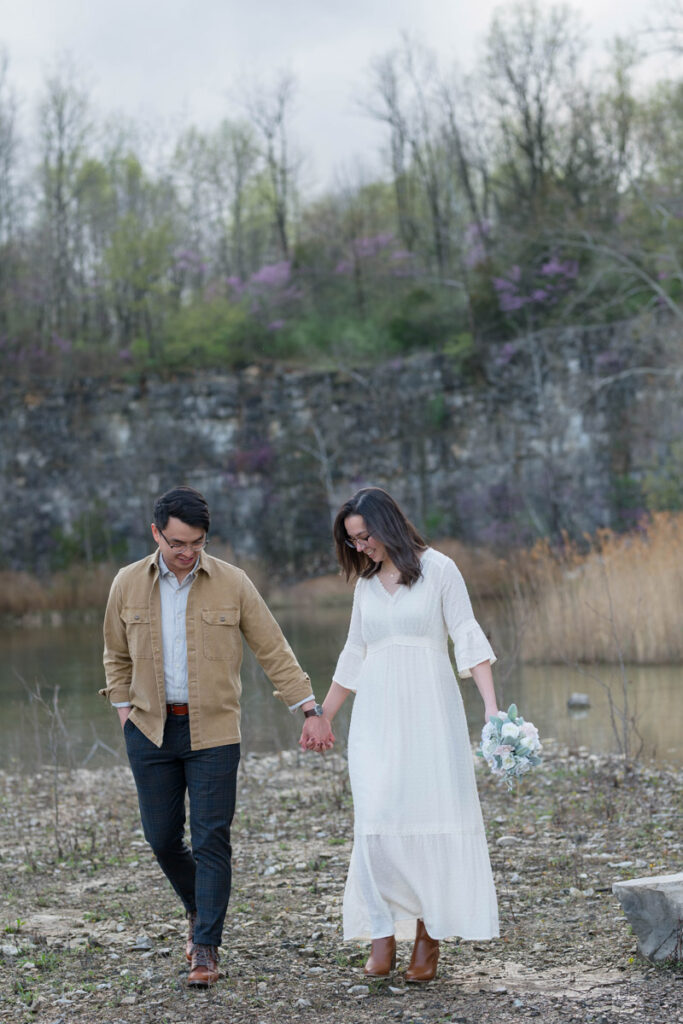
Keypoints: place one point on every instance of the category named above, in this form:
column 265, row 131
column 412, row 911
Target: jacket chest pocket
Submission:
column 138, row 632
column 221, row 634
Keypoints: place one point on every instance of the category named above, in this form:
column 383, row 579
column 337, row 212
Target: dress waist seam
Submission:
column 407, row 641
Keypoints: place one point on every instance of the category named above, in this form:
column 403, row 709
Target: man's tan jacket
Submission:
column 222, row 604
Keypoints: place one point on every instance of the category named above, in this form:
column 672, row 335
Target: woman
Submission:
column 420, row 863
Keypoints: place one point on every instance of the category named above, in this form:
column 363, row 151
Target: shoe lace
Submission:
column 205, row 956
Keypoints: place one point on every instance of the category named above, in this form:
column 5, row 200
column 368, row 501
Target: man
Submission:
column 172, row 658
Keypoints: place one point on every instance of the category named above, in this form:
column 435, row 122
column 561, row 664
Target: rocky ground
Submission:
column 93, row 934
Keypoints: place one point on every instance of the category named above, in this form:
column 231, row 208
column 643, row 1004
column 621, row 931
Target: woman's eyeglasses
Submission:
column 354, row 542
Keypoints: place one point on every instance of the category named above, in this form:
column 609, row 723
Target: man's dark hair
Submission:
column 185, row 504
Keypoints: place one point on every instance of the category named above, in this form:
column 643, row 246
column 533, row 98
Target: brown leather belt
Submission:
column 177, row 709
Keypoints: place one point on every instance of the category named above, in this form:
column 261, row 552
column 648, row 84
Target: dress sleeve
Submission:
column 469, row 640
column 353, row 653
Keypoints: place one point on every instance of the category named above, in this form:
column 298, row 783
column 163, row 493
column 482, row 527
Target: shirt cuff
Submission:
column 293, row 707
column 121, row 704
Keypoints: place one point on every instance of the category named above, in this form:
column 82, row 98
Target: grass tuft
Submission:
column 615, row 598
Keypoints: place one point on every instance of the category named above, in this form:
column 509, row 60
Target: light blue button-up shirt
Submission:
column 174, row 597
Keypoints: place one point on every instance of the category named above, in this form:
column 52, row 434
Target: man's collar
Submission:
column 165, row 571
column 153, row 561
column 156, row 562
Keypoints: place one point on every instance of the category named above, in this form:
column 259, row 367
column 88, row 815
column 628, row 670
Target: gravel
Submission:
column 93, row 933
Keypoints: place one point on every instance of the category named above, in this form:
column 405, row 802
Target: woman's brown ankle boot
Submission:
column 425, row 956
column 382, row 958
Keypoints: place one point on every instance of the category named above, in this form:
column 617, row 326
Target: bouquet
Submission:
column 509, row 745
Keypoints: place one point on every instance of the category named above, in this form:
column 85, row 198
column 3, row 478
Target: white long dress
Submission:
column 419, row 843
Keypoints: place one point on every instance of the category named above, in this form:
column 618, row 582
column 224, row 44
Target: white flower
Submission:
column 509, row 731
column 509, row 745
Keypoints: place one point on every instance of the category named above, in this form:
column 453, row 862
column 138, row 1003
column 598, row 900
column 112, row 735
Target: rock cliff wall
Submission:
column 544, row 441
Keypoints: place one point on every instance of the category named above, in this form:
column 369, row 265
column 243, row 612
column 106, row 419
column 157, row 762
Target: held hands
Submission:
column 316, row 734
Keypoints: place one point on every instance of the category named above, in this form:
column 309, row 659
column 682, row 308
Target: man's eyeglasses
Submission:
column 175, row 545
column 353, row 542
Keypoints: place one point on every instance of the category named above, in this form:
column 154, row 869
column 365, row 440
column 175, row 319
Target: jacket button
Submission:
column 137, row 616
column 222, row 618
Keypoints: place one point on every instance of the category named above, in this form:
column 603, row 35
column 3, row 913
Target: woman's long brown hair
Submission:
column 386, row 523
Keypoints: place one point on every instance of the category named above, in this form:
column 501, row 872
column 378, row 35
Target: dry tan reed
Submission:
column 614, row 596
column 82, row 588
column 485, row 574
column 620, row 599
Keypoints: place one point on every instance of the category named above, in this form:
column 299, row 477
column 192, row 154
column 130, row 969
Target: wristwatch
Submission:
column 316, row 710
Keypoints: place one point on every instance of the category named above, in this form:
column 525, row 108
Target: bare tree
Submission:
column 190, row 176
column 667, row 29
column 531, row 69
column 8, row 152
column 407, row 96
column 64, row 130
column 9, row 197
column 270, row 109
column 389, row 106
column 469, row 161
column 232, row 165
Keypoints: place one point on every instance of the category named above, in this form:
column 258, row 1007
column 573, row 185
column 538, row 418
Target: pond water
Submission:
column 67, row 662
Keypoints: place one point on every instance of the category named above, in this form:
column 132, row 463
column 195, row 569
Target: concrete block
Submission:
column 654, row 908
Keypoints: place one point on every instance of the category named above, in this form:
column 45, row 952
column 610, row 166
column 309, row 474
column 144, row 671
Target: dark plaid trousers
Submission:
column 201, row 876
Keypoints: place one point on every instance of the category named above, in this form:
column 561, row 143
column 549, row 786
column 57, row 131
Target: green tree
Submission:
column 138, row 260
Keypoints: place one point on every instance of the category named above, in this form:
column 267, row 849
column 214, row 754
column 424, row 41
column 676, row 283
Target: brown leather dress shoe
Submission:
column 425, row 955
column 204, row 970
column 191, row 921
column 382, row 958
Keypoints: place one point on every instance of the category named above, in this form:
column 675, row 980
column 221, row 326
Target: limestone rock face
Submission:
column 525, row 441
column 654, row 908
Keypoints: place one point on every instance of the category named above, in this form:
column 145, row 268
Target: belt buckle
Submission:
column 177, row 708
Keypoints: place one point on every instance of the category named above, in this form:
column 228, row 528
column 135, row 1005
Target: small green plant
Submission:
column 48, row 960
column 24, row 993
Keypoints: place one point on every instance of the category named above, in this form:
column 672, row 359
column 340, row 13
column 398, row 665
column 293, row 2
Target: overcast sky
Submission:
column 177, row 61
